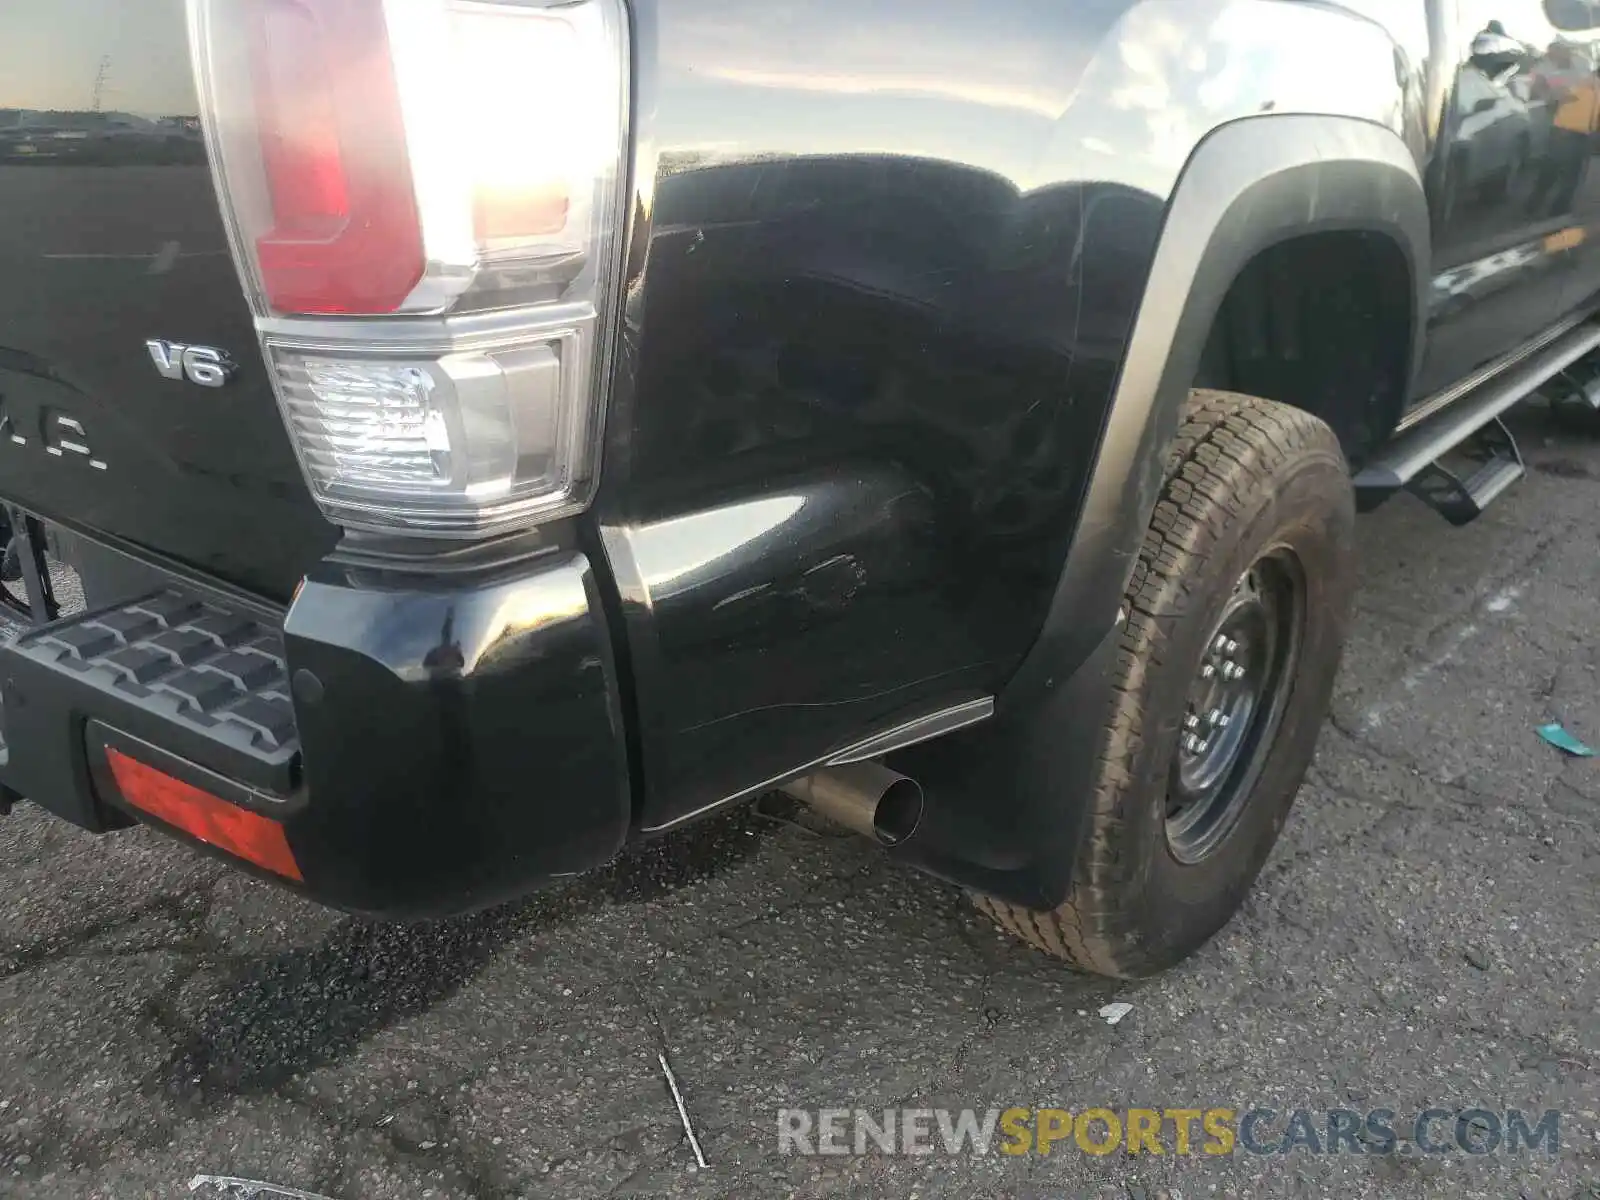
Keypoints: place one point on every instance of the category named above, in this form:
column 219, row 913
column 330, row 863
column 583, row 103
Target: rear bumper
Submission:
column 427, row 745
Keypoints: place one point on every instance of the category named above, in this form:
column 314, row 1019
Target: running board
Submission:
column 1413, row 456
column 1460, row 498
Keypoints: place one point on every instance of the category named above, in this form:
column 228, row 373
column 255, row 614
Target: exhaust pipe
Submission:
column 865, row 797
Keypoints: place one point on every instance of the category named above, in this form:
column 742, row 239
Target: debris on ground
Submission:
column 1555, row 733
column 683, row 1112
column 1115, row 1012
column 246, row 1189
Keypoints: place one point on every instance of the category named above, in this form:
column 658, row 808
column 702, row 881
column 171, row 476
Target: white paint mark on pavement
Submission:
column 162, row 262
column 1502, row 602
column 143, row 257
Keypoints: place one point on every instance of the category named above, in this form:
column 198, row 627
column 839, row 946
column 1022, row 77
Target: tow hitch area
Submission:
column 170, row 683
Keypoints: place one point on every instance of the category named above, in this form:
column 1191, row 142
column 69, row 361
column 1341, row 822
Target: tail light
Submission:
column 424, row 199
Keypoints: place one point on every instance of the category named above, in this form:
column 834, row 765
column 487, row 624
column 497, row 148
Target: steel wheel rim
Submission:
column 1235, row 704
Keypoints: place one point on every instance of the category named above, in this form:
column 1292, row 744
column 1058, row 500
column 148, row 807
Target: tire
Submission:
column 1246, row 478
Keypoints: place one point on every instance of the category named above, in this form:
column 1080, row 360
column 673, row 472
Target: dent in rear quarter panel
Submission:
column 885, row 261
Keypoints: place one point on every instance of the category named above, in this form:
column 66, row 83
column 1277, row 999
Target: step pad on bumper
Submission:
column 195, row 678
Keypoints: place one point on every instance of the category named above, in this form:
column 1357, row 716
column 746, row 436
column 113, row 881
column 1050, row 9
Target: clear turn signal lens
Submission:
column 463, row 441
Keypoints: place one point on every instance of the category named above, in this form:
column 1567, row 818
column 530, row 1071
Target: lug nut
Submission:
column 1229, row 645
column 1192, row 743
column 1216, row 718
column 1207, row 671
column 1191, row 722
column 1221, row 644
column 1232, row 670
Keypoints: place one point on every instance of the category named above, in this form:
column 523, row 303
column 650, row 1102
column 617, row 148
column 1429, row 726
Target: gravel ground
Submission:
column 1425, row 934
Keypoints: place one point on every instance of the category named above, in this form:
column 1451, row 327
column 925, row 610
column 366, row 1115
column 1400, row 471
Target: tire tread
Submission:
column 1226, row 444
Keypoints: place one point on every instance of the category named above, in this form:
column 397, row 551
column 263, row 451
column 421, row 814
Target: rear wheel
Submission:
column 1237, row 613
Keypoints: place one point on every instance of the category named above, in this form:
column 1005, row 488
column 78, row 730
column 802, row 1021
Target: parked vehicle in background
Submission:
column 537, row 426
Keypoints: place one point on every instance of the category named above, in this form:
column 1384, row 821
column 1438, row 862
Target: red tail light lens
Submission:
column 298, row 124
column 344, row 235
column 215, row 822
column 454, row 171
column 385, row 156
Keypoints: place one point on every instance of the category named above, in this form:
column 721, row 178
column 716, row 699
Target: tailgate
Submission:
column 110, row 237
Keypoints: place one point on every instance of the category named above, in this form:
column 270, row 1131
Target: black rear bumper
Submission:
column 427, row 744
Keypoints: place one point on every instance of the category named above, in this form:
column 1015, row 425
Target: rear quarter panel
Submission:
column 884, row 264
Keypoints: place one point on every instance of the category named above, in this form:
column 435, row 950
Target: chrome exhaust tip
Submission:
column 865, row 797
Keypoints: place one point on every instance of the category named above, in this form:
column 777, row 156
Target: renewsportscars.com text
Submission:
column 1179, row 1132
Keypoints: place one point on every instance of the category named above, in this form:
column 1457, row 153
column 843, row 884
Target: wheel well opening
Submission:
column 1322, row 322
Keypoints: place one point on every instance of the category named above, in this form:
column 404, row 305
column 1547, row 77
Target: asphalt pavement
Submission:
column 1424, row 936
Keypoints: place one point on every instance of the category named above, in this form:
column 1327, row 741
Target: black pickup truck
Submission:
column 444, row 440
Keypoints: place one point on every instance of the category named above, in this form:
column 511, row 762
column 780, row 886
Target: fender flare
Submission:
column 1248, row 186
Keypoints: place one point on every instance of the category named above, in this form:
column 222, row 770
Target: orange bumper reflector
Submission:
column 228, row 827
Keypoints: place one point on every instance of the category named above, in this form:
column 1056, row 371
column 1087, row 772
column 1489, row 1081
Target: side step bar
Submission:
column 1412, row 459
column 1460, row 500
